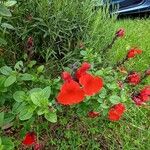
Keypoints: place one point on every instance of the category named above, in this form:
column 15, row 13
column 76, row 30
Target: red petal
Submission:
column 91, row 84
column 66, row 76
column 133, row 52
column 29, row 139
column 113, row 116
column 70, row 94
column 120, row 32
column 82, row 70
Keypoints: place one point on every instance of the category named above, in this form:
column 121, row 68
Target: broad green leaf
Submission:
column 40, row 69
column 51, row 116
column 7, row 143
column 19, row 96
column 26, row 113
column 42, row 111
column 114, row 99
column 5, row 70
column 1, row 118
column 17, row 107
column 46, row 92
column 3, row 41
column 35, row 90
column 8, row 26
column 39, row 99
column 10, row 3
column 10, row 80
column 4, row 11
column 27, row 77
column 0, row 141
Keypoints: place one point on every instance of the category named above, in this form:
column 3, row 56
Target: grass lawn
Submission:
column 133, row 131
column 137, row 35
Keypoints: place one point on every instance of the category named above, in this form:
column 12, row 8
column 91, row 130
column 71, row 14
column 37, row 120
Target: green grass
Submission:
column 133, row 131
column 137, row 35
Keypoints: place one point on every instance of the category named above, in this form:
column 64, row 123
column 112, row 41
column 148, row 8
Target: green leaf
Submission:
column 27, row 77
column 46, row 92
column 18, row 65
column 1, row 118
column 42, row 111
column 7, row 26
column 19, row 96
column 17, row 107
column 114, row 99
column 40, row 69
column 112, row 86
column 7, row 143
column 83, row 53
column 26, row 113
column 4, row 11
column 39, row 99
column 32, row 63
column 5, row 70
column 10, row 80
column 10, row 3
column 103, row 93
column 51, row 116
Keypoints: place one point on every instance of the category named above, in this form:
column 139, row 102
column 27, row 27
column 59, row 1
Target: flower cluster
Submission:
column 75, row 89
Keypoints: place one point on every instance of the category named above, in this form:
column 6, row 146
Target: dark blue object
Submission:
column 130, row 6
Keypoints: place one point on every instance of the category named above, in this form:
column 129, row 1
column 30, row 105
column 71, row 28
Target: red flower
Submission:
column 91, row 84
column 30, row 42
column 30, row 139
column 116, row 112
column 66, row 76
column 142, row 97
column 147, row 72
column 145, row 94
column 82, row 70
column 120, row 32
column 137, row 99
column 93, row 114
column 70, row 93
column 134, row 78
column 133, row 52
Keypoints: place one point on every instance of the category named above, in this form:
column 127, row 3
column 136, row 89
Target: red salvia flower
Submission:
column 93, row 114
column 134, row 78
column 30, row 42
column 30, row 139
column 145, row 94
column 70, row 93
column 91, row 84
column 120, row 32
column 116, row 112
column 133, row 52
column 66, row 76
column 82, row 70
column 142, row 97
column 137, row 99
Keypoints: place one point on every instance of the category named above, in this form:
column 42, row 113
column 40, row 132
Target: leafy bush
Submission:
column 58, row 29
